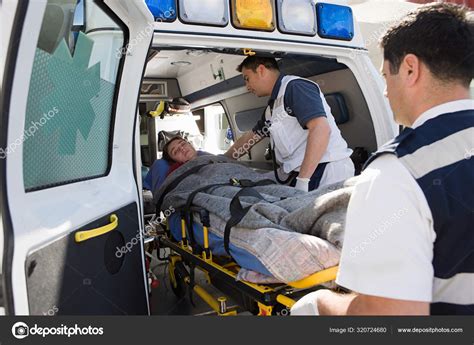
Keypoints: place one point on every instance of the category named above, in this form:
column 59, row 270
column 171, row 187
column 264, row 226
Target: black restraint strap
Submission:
column 189, row 217
column 237, row 212
column 188, row 214
column 249, row 183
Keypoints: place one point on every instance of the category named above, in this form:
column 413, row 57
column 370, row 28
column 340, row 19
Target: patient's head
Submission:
column 179, row 150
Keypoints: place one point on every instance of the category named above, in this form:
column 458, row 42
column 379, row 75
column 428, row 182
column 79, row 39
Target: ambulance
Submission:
column 88, row 89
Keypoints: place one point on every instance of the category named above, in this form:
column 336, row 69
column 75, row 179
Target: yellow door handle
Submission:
column 81, row 236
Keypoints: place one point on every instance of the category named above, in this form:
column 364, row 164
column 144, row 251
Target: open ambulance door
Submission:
column 70, row 193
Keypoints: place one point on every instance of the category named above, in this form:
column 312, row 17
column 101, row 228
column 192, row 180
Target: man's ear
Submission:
column 410, row 67
column 261, row 70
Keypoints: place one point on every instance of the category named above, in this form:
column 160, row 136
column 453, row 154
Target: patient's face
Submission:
column 181, row 151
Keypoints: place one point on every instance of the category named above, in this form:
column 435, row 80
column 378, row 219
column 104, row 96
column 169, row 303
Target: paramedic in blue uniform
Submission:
column 302, row 130
column 409, row 238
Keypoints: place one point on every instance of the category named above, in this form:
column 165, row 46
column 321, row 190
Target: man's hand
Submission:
column 302, row 183
column 306, row 305
column 243, row 145
column 327, row 302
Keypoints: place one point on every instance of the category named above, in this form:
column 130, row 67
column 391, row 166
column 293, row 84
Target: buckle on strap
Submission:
column 242, row 183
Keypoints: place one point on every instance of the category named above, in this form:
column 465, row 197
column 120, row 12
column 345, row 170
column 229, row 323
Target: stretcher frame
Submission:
column 260, row 299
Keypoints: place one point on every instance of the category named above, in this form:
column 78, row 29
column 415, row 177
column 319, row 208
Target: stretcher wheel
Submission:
column 180, row 289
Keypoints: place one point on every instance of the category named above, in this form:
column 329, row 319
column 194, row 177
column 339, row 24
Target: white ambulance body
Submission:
column 79, row 82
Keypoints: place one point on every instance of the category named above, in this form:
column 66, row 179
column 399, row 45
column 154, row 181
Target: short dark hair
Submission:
column 166, row 154
column 441, row 35
column 252, row 62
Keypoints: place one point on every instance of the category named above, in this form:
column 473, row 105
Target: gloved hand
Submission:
column 302, row 183
column 307, row 305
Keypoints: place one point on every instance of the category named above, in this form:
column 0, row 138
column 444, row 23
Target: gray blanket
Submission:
column 275, row 230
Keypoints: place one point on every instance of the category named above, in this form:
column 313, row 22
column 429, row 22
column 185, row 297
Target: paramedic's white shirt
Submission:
column 389, row 236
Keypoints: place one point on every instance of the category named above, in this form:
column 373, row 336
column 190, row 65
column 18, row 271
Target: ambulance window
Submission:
column 218, row 135
column 69, row 113
column 246, row 119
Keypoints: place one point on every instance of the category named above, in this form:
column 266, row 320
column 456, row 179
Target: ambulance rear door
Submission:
column 70, row 194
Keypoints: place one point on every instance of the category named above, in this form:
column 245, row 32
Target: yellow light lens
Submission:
column 253, row 14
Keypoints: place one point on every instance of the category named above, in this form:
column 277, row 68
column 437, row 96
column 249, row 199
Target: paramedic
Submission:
column 298, row 120
column 408, row 245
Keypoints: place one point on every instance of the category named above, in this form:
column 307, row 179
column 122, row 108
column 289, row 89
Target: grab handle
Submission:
column 85, row 235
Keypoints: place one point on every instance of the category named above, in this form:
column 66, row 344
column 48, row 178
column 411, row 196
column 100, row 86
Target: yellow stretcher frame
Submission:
column 205, row 259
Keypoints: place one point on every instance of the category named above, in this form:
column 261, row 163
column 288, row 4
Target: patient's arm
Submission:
column 331, row 303
column 243, row 145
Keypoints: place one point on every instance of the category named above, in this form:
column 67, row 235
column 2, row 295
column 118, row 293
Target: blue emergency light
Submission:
column 162, row 10
column 335, row 21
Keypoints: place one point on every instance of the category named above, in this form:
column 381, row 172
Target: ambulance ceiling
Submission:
column 177, row 64
column 211, row 72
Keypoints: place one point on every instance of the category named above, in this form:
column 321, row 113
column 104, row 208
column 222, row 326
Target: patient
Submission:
column 178, row 151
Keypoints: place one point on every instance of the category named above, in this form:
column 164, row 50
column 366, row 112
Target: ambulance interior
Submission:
column 223, row 109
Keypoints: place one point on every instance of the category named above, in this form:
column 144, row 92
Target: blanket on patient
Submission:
column 276, row 230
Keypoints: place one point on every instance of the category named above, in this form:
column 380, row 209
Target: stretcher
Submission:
column 221, row 271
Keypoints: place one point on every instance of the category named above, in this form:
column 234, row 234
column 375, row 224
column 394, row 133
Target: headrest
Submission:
column 338, row 107
column 165, row 136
